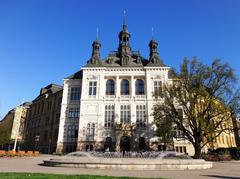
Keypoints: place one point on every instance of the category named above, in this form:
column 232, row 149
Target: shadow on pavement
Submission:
column 220, row 176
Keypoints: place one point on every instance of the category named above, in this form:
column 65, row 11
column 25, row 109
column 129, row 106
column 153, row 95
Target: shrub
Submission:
column 216, row 157
column 11, row 153
column 2, row 153
column 36, row 153
column 21, row 153
column 223, row 154
column 29, row 153
column 234, row 152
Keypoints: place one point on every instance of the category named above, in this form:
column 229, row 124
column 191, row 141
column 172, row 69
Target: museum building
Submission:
column 107, row 104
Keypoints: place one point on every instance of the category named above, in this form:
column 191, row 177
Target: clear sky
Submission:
column 43, row 41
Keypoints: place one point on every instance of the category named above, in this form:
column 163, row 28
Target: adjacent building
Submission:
column 12, row 127
column 42, row 121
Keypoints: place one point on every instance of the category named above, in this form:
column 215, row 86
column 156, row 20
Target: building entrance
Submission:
column 125, row 143
column 108, row 145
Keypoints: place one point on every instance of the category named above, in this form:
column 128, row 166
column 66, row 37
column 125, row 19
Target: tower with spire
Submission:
column 124, row 48
column 154, row 59
column 95, row 58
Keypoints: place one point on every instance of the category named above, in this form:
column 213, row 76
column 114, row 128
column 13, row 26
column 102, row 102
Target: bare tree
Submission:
column 195, row 103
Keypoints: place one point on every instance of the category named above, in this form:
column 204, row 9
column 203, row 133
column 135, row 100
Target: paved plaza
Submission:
column 222, row 170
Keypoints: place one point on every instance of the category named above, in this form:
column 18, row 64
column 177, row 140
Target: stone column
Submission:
column 118, row 87
column 101, row 86
column 60, row 141
column 132, row 93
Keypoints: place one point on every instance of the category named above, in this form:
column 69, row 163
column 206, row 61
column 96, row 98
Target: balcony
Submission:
column 125, row 96
column 89, row 138
column 140, row 96
column 110, row 96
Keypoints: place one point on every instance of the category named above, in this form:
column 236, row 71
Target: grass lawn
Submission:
column 54, row 176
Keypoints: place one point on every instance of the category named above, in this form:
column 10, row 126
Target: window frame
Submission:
column 157, row 87
column 73, row 113
column 139, row 87
column 75, row 93
column 92, row 88
column 124, row 91
column 109, row 116
column 141, row 118
column 110, row 87
column 125, row 113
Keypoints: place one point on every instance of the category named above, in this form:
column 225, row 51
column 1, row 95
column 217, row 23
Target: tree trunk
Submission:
column 197, row 149
column 236, row 131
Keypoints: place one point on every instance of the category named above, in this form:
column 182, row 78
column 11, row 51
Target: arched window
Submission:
column 110, row 87
column 139, row 87
column 125, row 87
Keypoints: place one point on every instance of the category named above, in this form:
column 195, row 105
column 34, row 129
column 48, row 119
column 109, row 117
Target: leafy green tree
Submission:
column 195, row 103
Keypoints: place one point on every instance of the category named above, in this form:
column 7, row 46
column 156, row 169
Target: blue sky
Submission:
column 43, row 41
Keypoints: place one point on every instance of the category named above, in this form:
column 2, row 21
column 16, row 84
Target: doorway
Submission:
column 125, row 143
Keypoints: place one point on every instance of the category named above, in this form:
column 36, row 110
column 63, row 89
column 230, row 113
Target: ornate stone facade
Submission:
column 115, row 99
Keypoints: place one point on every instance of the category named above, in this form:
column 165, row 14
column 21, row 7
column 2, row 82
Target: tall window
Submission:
column 141, row 116
column 109, row 116
column 157, row 87
column 110, row 87
column 179, row 131
column 125, row 114
column 73, row 113
column 92, row 88
column 75, row 94
column 72, row 132
column 124, row 87
column 45, row 135
column 139, row 87
column 49, row 106
column 90, row 131
column 180, row 113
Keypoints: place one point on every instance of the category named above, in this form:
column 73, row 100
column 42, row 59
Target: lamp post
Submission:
column 36, row 141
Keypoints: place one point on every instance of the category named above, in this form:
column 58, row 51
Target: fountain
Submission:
column 148, row 160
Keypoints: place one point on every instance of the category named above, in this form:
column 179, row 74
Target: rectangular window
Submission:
column 125, row 114
column 59, row 101
column 56, row 134
column 75, row 94
column 180, row 114
column 72, row 132
column 92, row 90
column 90, row 131
column 73, row 112
column 45, row 135
column 141, row 116
column 179, row 133
column 157, row 88
column 109, row 116
column 49, row 106
column 42, row 107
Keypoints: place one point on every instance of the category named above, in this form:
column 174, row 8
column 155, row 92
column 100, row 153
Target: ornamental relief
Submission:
column 91, row 109
column 92, row 77
column 157, row 77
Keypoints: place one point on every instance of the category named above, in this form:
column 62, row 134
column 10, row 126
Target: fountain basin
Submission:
column 128, row 163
